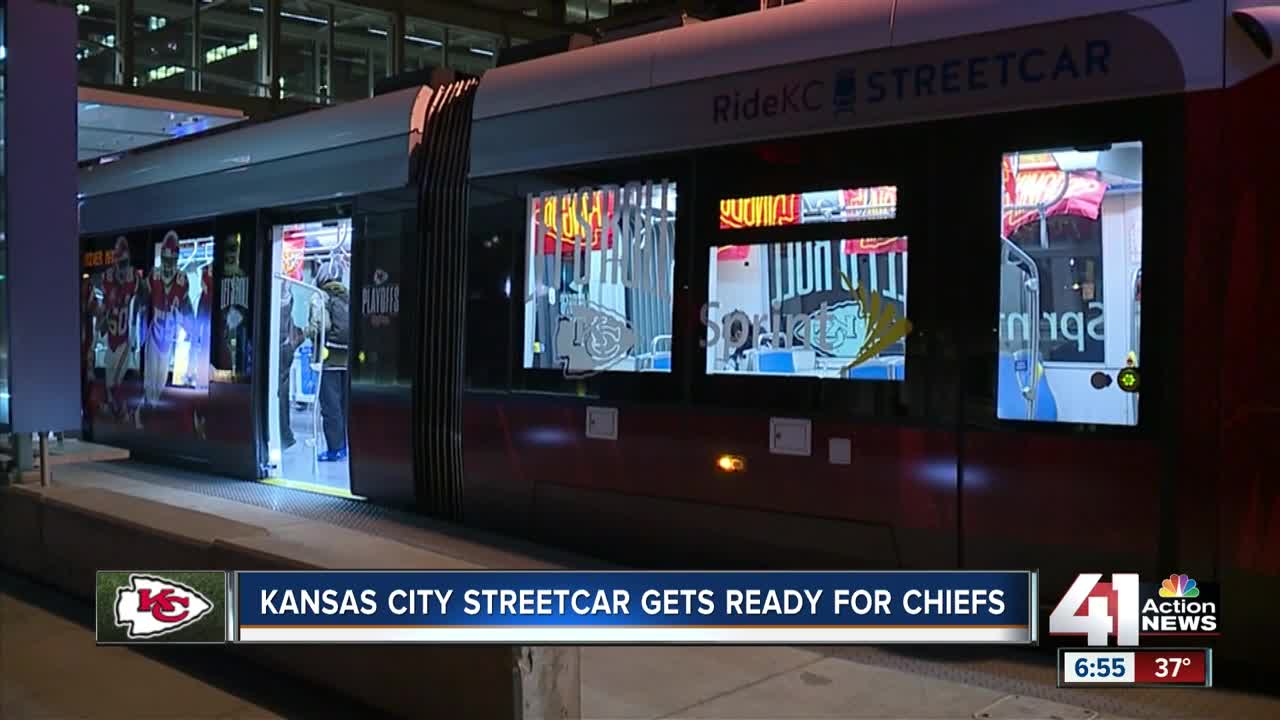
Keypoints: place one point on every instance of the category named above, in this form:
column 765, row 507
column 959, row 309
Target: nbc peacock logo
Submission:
column 1179, row 586
column 1179, row 606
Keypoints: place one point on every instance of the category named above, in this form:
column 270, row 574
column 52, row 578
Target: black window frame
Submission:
column 851, row 159
column 610, row 386
column 947, row 174
column 1159, row 124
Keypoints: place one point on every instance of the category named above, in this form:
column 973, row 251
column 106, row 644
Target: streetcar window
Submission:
column 827, row 309
column 823, row 206
column 600, row 266
column 1071, row 263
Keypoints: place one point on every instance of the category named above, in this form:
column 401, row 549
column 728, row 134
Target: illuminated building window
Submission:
column 96, row 21
column 232, row 47
column 162, row 44
column 579, row 11
column 163, row 72
column 597, row 10
column 222, row 52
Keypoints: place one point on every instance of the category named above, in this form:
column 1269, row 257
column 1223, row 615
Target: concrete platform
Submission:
column 62, row 534
column 68, row 452
column 104, row 516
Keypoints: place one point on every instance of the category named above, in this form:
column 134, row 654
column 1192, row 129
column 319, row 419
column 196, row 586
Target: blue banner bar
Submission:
column 997, row 606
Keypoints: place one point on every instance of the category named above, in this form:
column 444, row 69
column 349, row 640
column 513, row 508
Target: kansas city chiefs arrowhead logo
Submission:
column 152, row 606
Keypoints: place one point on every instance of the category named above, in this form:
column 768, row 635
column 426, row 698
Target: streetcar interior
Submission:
column 1071, row 257
column 306, row 442
column 601, row 266
column 831, row 308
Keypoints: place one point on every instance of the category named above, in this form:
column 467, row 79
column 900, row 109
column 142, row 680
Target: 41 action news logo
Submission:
column 1126, row 609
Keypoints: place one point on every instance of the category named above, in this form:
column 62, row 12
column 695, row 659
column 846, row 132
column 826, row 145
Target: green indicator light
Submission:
column 1128, row 379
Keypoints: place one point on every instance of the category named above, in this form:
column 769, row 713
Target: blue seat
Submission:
column 309, row 375
column 869, row 372
column 776, row 361
column 1010, row 403
column 662, row 361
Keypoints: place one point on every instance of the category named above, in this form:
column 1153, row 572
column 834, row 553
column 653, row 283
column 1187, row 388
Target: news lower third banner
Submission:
column 581, row 608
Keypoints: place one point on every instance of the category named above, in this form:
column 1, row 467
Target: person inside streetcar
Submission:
column 331, row 311
column 290, row 340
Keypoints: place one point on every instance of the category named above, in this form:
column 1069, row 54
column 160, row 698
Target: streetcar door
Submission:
column 309, row 368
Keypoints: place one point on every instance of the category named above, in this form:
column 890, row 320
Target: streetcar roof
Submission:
column 656, row 92
column 751, row 41
column 356, row 147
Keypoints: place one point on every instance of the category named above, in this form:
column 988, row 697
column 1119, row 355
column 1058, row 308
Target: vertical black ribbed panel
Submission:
column 443, row 230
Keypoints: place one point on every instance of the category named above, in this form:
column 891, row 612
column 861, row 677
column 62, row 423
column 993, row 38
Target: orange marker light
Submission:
column 731, row 463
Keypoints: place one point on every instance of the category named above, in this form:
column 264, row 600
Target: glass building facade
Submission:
column 322, row 52
column 582, row 11
column 313, row 51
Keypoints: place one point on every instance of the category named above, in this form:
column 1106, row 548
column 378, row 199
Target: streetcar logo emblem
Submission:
column 590, row 339
column 1179, row 586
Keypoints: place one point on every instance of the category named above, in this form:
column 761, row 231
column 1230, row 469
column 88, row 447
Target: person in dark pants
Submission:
column 290, row 339
column 332, row 311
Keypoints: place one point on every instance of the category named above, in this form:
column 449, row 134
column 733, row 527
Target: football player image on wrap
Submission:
column 121, row 286
column 198, row 367
column 233, row 302
column 170, row 308
column 90, row 315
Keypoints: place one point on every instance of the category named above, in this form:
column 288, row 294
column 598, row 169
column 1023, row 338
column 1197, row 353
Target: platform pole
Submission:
column 44, row 459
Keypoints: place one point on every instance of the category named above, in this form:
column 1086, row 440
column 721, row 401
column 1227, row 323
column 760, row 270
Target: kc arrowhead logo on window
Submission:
column 152, row 606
